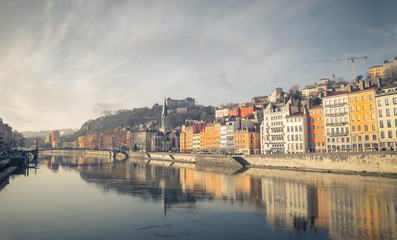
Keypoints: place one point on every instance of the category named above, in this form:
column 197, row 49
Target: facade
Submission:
column 390, row 69
column 276, row 96
column 375, row 72
column 296, row 131
column 247, row 141
column 142, row 140
column 337, row 122
column 247, row 111
column 174, row 141
column 316, row 129
column 273, row 126
column 179, row 106
column 234, row 112
column 212, row 137
column 221, row 112
column 363, row 119
column 227, row 133
column 386, row 102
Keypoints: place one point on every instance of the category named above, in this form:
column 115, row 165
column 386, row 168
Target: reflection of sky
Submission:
column 130, row 198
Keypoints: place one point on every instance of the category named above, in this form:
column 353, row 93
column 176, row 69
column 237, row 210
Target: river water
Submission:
column 72, row 197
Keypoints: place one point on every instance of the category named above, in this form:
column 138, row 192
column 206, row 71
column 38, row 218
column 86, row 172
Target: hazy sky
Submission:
column 64, row 62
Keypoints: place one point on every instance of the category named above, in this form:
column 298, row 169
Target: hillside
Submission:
column 133, row 118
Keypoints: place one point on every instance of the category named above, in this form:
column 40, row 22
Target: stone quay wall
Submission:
column 374, row 162
column 371, row 162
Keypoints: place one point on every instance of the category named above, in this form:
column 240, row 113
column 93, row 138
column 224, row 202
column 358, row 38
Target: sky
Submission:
column 64, row 62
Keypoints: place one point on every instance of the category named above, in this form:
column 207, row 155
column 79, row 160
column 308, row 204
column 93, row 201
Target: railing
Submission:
column 336, row 114
column 335, row 105
column 337, row 124
column 338, row 134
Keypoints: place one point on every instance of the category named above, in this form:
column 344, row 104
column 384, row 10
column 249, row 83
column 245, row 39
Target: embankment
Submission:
column 366, row 162
column 370, row 162
column 78, row 152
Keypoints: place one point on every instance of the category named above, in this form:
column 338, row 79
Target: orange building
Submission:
column 212, row 137
column 247, row 141
column 234, row 112
column 55, row 139
column 316, row 129
column 247, row 111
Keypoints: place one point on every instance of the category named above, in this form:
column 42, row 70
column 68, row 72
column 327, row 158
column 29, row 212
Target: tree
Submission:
column 17, row 139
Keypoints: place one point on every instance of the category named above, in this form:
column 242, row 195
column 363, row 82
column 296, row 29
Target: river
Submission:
column 72, row 197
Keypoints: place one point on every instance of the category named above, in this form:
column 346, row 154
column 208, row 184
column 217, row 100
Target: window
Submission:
column 353, row 128
column 371, row 106
column 359, row 128
column 356, row 99
column 387, row 112
column 386, row 101
column 389, row 134
column 395, row 100
column 351, row 99
column 371, row 97
column 389, row 123
column 363, row 98
column 366, row 128
column 364, row 107
column 395, row 111
column 374, row 137
column 379, row 103
column 366, row 138
column 380, row 113
column 372, row 116
column 381, row 123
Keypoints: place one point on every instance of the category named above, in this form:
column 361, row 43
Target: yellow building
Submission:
column 212, row 137
column 363, row 118
column 247, row 141
column 186, row 139
column 375, row 71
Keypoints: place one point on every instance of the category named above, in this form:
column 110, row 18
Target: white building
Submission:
column 386, row 98
column 337, row 122
column 227, row 133
column 221, row 112
column 273, row 126
column 296, row 131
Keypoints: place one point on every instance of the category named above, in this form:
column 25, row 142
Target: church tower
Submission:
column 164, row 118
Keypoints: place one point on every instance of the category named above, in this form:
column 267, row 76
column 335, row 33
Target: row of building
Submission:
column 363, row 117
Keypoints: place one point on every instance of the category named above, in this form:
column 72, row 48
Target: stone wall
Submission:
column 380, row 162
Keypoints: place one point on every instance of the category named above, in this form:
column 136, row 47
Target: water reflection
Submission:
column 348, row 207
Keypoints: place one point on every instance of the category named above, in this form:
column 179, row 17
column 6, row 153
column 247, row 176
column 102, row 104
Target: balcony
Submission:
column 336, row 105
column 336, row 114
column 337, row 124
column 339, row 134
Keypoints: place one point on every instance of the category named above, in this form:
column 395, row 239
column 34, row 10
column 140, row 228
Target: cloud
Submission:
column 64, row 62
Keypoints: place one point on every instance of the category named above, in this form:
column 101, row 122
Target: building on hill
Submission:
column 221, row 112
column 180, row 106
column 276, row 96
column 227, row 133
column 375, row 72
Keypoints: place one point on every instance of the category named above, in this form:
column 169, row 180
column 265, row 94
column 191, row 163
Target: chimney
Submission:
column 368, row 84
column 379, row 82
column 350, row 88
column 362, row 85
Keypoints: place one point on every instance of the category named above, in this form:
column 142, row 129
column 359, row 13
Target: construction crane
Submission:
column 352, row 59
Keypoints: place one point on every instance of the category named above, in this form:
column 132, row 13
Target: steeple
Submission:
column 164, row 118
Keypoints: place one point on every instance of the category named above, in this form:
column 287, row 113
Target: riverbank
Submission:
column 364, row 163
